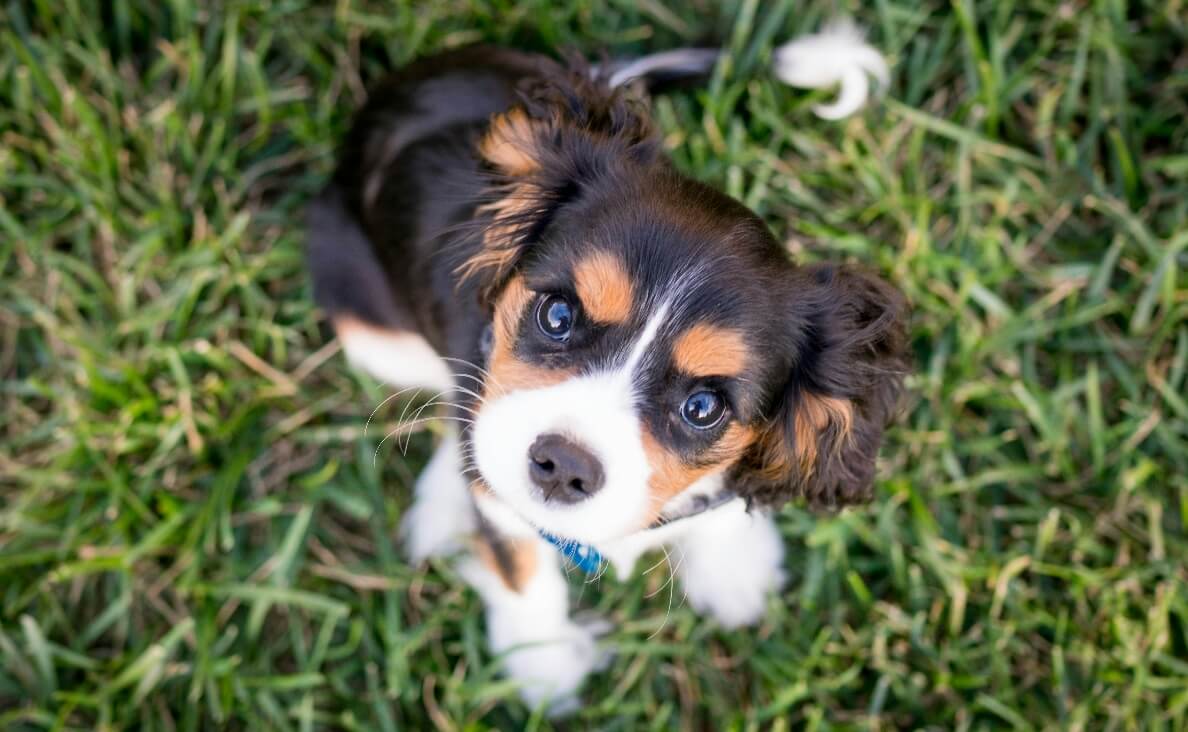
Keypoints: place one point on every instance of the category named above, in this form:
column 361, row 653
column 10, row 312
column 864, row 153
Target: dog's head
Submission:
column 649, row 332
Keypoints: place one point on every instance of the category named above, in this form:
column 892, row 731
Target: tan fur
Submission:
column 604, row 288
column 509, row 143
column 498, row 252
column 519, row 560
column 509, row 308
column 346, row 325
column 507, row 372
column 710, row 350
column 815, row 414
column 671, row 474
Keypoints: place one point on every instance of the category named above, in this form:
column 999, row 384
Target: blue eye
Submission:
column 704, row 409
column 555, row 317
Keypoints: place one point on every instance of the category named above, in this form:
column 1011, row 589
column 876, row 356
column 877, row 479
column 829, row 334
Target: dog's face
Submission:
column 648, row 334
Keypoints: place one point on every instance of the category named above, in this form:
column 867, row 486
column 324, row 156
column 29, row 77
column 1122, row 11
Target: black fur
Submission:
column 412, row 183
column 854, row 348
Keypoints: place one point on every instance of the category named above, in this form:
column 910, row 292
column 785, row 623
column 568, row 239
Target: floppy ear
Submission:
column 569, row 130
column 842, row 391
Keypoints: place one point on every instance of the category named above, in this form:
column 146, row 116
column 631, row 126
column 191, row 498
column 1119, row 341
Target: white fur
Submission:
column 727, row 559
column 548, row 654
column 836, row 55
column 730, row 564
column 396, row 358
column 597, row 411
column 502, row 518
column 680, row 60
column 442, row 515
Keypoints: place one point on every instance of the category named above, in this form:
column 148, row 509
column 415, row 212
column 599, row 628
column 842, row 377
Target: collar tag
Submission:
column 583, row 556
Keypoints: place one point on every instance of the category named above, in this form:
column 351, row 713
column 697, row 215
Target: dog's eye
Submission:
column 704, row 409
column 555, row 317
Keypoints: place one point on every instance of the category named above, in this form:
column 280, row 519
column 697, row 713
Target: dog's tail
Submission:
column 837, row 55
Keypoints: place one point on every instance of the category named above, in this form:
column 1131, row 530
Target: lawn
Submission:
column 194, row 533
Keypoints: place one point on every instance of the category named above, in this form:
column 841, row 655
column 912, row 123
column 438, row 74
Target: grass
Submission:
column 192, row 530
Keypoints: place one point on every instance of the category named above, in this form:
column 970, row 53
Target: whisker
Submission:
column 472, row 377
column 401, row 421
column 457, row 405
column 596, row 578
column 484, row 371
column 415, row 419
column 381, row 406
column 462, row 389
column 416, row 415
column 406, row 427
column 671, row 583
column 670, row 576
column 404, row 412
column 667, row 610
column 650, row 569
column 432, row 400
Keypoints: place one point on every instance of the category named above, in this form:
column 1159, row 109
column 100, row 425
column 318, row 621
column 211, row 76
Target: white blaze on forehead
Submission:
column 639, row 349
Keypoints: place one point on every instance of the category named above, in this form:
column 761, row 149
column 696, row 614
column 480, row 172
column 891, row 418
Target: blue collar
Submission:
column 584, row 557
column 589, row 560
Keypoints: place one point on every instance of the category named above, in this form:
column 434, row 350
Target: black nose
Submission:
column 562, row 470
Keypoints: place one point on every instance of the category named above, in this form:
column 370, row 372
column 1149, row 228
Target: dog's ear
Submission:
column 843, row 388
column 569, row 130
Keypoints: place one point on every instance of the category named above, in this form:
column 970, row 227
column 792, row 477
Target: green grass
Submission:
column 193, row 534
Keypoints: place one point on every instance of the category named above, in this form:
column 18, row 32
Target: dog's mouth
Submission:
column 568, row 459
column 591, row 521
column 569, row 531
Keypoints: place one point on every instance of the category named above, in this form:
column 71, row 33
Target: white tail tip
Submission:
column 838, row 55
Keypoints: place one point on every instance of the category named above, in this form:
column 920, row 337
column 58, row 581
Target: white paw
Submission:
column 548, row 654
column 728, row 573
column 429, row 531
column 735, row 600
column 550, row 668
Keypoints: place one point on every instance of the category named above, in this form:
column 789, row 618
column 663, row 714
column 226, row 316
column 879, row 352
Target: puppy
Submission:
column 631, row 358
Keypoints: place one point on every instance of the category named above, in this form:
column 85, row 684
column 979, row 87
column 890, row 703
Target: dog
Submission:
column 631, row 358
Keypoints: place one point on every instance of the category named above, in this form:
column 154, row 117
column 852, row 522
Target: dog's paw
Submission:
column 550, row 670
column 596, row 627
column 731, row 580
column 734, row 600
column 429, row 530
column 529, row 632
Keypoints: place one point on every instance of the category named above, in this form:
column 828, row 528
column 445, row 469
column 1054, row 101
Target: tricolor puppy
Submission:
column 633, row 358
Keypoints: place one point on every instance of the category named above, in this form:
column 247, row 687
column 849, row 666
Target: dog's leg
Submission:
column 528, row 624
column 378, row 334
column 373, row 321
column 443, row 513
column 398, row 358
column 729, row 563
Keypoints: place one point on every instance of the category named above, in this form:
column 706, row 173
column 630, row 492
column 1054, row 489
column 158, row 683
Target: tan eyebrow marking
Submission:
column 710, row 350
column 604, row 288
